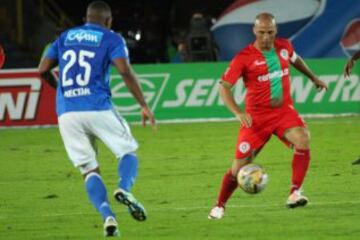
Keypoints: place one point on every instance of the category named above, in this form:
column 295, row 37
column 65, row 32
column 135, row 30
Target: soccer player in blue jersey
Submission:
column 85, row 112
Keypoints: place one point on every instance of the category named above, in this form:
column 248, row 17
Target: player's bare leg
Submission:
column 228, row 186
column 300, row 138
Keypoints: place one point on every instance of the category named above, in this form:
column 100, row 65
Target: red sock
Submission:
column 300, row 165
column 228, row 186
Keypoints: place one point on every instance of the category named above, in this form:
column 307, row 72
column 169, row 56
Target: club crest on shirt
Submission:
column 284, row 54
column 244, row 147
column 259, row 63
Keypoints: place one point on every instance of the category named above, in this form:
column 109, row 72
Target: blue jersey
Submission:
column 84, row 55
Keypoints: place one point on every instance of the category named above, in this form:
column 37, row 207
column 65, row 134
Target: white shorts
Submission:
column 79, row 131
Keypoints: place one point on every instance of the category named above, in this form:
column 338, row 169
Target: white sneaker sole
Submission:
column 300, row 203
column 214, row 218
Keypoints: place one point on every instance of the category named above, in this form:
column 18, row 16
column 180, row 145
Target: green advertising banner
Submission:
column 189, row 92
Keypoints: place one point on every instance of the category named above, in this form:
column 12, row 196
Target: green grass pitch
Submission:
column 181, row 165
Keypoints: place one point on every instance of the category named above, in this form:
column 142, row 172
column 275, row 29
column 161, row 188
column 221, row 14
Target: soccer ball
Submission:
column 252, row 178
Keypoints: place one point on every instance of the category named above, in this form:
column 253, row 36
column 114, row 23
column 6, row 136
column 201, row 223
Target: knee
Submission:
column 88, row 168
column 238, row 164
column 302, row 141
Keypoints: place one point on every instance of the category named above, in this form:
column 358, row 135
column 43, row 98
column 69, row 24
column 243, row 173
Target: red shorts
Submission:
column 276, row 122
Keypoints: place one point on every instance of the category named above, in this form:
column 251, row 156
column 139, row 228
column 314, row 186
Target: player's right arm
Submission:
column 45, row 66
column 229, row 79
column 228, row 98
column 48, row 62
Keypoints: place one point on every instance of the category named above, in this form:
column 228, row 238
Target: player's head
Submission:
column 99, row 12
column 265, row 30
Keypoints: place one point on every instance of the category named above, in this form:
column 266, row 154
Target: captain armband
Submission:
column 293, row 57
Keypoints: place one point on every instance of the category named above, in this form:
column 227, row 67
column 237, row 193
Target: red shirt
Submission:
column 265, row 75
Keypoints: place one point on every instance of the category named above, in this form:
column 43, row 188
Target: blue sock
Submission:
column 97, row 194
column 127, row 169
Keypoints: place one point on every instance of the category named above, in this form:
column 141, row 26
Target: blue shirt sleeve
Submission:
column 118, row 48
column 52, row 51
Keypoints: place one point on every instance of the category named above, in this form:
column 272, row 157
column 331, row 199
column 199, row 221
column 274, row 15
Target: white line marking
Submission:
column 259, row 206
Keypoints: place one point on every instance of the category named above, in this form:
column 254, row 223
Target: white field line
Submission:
column 318, row 119
column 179, row 209
column 315, row 118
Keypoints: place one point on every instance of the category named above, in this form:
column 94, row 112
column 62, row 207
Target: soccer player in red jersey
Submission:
column 347, row 72
column 264, row 66
column 2, row 57
column 349, row 65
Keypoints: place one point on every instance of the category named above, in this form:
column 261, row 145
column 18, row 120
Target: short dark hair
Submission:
column 100, row 6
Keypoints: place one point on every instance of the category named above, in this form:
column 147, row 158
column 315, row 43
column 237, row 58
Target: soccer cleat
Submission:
column 111, row 227
column 216, row 213
column 296, row 199
column 135, row 208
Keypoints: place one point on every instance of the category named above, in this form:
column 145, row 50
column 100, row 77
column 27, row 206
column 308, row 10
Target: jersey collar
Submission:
column 94, row 25
column 272, row 49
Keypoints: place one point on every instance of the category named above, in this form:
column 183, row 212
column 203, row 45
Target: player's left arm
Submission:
column 48, row 62
column 119, row 55
column 349, row 65
column 130, row 79
column 300, row 65
column 124, row 68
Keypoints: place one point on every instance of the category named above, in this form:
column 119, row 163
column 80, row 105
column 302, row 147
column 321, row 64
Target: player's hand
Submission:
column 245, row 119
column 348, row 67
column 320, row 85
column 146, row 114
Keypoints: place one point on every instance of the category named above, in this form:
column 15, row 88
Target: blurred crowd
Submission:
column 155, row 31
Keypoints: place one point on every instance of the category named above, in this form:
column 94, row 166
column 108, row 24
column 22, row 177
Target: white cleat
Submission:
column 136, row 209
column 296, row 199
column 111, row 227
column 216, row 213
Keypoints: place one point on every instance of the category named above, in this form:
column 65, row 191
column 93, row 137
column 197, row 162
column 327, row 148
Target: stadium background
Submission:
column 155, row 32
column 153, row 29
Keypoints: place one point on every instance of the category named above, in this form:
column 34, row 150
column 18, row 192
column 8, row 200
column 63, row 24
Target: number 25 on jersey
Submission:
column 71, row 57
